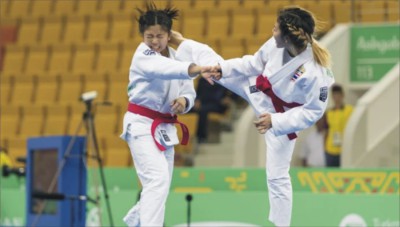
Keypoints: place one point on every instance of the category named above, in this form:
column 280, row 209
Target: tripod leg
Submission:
column 92, row 135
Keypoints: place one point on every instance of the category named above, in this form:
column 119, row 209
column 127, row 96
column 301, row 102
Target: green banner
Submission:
column 324, row 180
column 232, row 197
column 374, row 50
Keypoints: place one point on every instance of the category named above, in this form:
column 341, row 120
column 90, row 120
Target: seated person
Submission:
column 210, row 98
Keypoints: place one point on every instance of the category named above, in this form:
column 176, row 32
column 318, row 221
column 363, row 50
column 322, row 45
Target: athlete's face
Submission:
column 156, row 38
column 276, row 32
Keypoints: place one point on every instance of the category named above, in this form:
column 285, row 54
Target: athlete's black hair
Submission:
column 153, row 16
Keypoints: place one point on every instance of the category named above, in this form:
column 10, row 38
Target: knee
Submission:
column 160, row 183
column 279, row 185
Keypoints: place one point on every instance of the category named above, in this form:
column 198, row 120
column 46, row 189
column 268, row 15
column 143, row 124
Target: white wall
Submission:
column 371, row 137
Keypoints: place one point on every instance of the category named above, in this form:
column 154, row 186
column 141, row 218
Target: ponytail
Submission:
column 321, row 55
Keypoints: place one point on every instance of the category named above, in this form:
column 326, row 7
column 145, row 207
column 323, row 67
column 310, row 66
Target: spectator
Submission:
column 312, row 152
column 5, row 160
column 336, row 118
column 210, row 98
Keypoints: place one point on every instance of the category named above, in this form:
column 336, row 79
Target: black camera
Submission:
column 18, row 171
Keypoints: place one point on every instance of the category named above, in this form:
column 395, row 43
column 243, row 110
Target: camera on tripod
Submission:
column 88, row 96
column 18, row 171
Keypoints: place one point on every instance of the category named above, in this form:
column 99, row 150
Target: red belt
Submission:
column 158, row 119
column 264, row 85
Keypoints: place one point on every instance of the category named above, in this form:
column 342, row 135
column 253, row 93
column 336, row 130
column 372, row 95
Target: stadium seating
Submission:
column 53, row 51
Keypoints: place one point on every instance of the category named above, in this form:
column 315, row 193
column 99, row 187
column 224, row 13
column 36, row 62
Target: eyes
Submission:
column 157, row 36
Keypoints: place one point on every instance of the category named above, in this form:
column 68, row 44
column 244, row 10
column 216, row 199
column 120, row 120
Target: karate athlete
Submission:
column 159, row 87
column 286, row 82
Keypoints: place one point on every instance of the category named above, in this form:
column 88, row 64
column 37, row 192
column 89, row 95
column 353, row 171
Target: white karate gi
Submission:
column 154, row 82
column 309, row 89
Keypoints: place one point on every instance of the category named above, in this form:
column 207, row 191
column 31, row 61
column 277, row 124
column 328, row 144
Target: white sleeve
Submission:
column 200, row 54
column 302, row 117
column 151, row 64
column 188, row 92
column 248, row 65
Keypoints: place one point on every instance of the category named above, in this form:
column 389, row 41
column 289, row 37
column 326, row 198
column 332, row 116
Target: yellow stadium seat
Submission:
column 19, row 9
column 253, row 4
column 108, row 58
column 42, row 8
column 323, row 11
column 273, row 7
column 127, row 55
column 342, row 12
column 37, row 60
column 232, row 48
column 118, row 93
column 83, row 59
column 303, row 3
column 4, row 9
column 161, row 4
column 190, row 120
column 76, row 125
column 193, row 23
column 52, row 30
column 370, row 11
column 117, row 152
column 14, row 59
column 98, row 29
column 75, row 30
column 6, row 80
column 47, row 90
column 60, row 60
column 11, row 116
column 28, row 32
column 218, row 24
column 88, row 7
column 177, row 23
column 122, row 28
column 23, row 91
column 110, row 7
column 182, row 5
column 205, row 5
column 107, row 120
column 71, row 89
column 130, row 6
column 393, row 10
column 243, row 23
column 254, row 44
column 264, row 25
column 228, row 4
column 56, row 120
column 32, row 121
column 96, row 82
column 65, row 7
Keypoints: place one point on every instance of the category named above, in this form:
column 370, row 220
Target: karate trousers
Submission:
column 279, row 154
column 154, row 169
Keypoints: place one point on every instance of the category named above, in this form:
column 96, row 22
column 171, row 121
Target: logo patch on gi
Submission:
column 149, row 52
column 253, row 89
column 299, row 72
column 165, row 136
column 323, row 93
